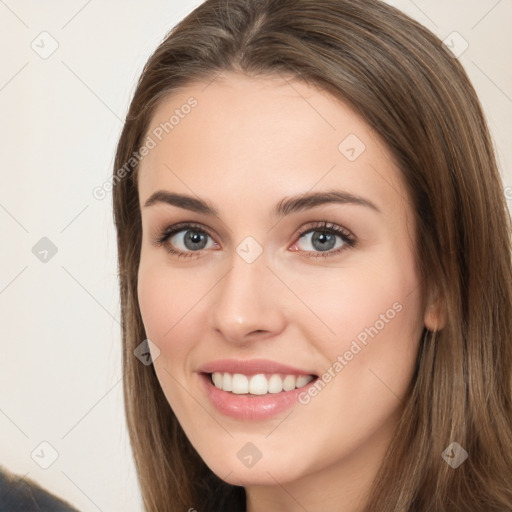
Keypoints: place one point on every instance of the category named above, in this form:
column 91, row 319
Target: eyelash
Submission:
column 347, row 237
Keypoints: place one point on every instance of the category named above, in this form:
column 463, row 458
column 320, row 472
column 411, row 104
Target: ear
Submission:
column 435, row 313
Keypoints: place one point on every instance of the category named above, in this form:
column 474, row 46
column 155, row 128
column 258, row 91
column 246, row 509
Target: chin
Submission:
column 263, row 472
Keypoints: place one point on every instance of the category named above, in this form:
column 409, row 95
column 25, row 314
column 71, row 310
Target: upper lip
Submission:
column 252, row 366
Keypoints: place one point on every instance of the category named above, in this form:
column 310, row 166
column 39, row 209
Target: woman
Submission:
column 314, row 253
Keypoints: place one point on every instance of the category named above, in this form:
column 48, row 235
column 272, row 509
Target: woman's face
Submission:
column 263, row 286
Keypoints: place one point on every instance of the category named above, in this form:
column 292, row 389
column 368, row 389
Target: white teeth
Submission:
column 302, row 380
column 217, row 380
column 275, row 384
column 259, row 384
column 227, row 383
column 239, row 383
column 289, row 382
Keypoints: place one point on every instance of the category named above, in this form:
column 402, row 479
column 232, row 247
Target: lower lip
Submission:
column 251, row 407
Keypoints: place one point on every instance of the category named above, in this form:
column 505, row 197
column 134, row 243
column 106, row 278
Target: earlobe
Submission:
column 435, row 314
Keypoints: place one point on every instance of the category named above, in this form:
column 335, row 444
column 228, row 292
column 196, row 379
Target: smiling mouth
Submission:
column 258, row 384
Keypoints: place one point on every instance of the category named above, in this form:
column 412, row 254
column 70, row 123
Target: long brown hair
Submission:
column 416, row 95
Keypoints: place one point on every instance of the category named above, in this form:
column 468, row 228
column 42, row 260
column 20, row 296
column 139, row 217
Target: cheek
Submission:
column 174, row 306
column 156, row 302
column 165, row 303
column 353, row 303
column 374, row 319
column 370, row 360
column 167, row 309
column 166, row 296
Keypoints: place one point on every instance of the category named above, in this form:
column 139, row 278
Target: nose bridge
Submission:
column 246, row 301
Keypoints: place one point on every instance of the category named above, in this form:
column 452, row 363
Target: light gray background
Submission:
column 60, row 373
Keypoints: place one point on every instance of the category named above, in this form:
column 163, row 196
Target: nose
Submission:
column 246, row 302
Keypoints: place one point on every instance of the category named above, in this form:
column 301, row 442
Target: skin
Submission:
column 249, row 143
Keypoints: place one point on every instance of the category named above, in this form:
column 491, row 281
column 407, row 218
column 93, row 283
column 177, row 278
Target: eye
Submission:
column 322, row 237
column 183, row 240
column 188, row 240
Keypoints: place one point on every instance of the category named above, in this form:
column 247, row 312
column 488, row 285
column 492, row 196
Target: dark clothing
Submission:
column 18, row 494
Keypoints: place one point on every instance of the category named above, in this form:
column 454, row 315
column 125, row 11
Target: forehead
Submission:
column 257, row 136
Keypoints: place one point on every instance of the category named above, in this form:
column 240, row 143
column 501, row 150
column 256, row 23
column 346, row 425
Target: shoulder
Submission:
column 19, row 494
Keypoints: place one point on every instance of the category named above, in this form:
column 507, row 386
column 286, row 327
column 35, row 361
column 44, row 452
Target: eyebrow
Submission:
column 284, row 207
